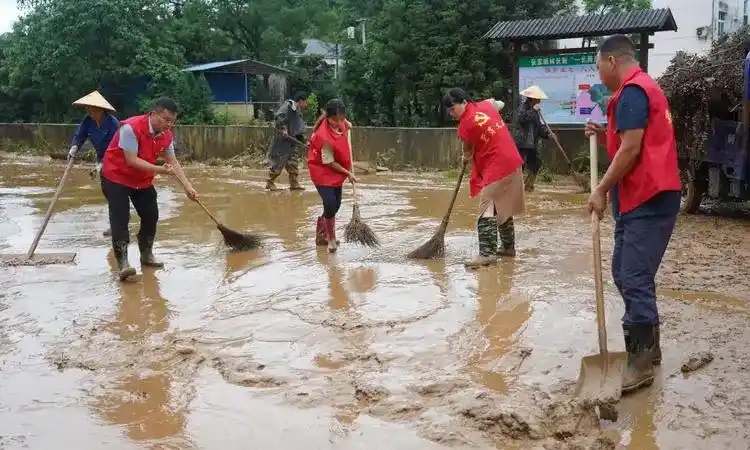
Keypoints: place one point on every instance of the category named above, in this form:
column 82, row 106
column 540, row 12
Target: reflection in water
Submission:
column 500, row 316
column 286, row 214
column 139, row 400
column 641, row 409
column 354, row 341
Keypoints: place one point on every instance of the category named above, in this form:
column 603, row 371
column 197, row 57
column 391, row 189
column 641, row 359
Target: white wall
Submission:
column 689, row 16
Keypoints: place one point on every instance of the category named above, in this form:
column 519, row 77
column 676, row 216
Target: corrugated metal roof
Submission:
column 647, row 21
column 248, row 66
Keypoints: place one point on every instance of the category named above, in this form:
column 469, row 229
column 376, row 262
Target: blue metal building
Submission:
column 233, row 82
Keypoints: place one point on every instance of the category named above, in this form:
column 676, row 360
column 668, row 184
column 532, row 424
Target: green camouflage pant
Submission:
column 487, row 231
column 507, row 234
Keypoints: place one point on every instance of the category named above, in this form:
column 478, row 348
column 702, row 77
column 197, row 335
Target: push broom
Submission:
column 356, row 230
column 435, row 247
column 29, row 259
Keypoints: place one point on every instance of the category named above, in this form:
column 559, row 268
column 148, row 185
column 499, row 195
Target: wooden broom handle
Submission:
column 50, row 209
column 455, row 192
column 200, row 203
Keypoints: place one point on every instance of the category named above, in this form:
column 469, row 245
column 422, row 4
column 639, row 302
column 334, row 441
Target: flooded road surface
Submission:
column 290, row 347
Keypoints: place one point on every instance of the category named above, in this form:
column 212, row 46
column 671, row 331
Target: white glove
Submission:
column 537, row 107
column 99, row 169
column 72, row 152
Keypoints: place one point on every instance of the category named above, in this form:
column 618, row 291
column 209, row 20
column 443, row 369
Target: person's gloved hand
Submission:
column 73, row 151
column 96, row 171
column 538, row 107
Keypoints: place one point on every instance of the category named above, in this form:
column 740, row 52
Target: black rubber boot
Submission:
column 657, row 346
column 146, row 246
column 121, row 255
column 639, row 343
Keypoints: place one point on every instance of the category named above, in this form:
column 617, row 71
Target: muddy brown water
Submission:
column 290, row 347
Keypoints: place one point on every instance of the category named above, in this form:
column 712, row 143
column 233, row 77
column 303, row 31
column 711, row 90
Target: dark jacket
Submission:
column 529, row 128
column 290, row 117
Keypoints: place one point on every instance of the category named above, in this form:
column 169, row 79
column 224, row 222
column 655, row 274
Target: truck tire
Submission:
column 692, row 192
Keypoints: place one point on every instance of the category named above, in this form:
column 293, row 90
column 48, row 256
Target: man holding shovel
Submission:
column 128, row 176
column 643, row 184
column 283, row 155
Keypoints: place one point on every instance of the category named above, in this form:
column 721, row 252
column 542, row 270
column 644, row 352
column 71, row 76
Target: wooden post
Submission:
column 643, row 47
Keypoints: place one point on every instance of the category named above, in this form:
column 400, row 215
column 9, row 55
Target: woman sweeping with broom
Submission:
column 496, row 174
column 330, row 163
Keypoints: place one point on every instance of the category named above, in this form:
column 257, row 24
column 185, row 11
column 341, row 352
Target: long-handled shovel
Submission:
column 29, row 259
column 600, row 380
column 579, row 179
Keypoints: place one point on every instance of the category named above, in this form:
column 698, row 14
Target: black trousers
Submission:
column 331, row 197
column 119, row 197
column 531, row 160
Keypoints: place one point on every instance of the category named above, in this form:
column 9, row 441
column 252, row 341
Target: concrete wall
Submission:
column 436, row 148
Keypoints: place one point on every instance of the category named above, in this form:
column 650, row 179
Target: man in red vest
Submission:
column 128, row 173
column 643, row 183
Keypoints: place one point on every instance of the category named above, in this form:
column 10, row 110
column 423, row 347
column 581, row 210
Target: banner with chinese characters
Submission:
column 571, row 81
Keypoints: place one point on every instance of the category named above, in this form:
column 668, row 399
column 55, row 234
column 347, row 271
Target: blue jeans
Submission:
column 331, row 197
column 641, row 238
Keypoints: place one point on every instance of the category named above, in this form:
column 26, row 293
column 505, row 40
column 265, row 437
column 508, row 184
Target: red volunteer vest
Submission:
column 116, row 169
column 656, row 169
column 322, row 174
column 495, row 153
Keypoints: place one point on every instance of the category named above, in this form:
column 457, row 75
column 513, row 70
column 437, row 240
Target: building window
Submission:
column 721, row 23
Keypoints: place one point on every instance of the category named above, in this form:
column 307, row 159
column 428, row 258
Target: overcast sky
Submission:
column 8, row 14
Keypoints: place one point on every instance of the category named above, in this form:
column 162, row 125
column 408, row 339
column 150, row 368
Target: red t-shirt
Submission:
column 495, row 153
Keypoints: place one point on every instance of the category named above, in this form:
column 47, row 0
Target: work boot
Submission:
column 507, row 234
column 639, row 343
column 487, row 232
column 120, row 250
column 270, row 185
column 294, row 182
column 320, row 232
column 529, row 182
column 330, row 225
column 657, row 346
column 146, row 246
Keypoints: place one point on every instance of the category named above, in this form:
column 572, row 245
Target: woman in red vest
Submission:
column 496, row 174
column 643, row 183
column 128, row 173
column 329, row 160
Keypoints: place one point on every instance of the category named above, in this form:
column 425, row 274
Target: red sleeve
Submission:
column 463, row 129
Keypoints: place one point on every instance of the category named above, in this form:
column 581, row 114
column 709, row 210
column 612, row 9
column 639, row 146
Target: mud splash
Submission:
column 290, row 346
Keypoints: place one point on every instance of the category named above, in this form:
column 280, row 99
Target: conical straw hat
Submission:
column 96, row 100
column 534, row 92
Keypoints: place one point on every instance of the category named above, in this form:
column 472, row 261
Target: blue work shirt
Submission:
column 100, row 136
column 631, row 113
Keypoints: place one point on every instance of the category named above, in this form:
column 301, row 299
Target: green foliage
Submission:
column 191, row 92
column 311, row 112
column 610, row 6
column 415, row 50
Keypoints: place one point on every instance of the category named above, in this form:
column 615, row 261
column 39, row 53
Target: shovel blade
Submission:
column 600, row 379
column 39, row 259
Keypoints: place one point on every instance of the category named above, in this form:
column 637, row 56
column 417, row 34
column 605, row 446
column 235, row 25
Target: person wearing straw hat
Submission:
column 128, row 176
column 496, row 174
column 529, row 129
column 329, row 161
column 99, row 126
column 643, row 183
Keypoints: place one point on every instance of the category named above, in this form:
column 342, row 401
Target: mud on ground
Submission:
column 290, row 347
